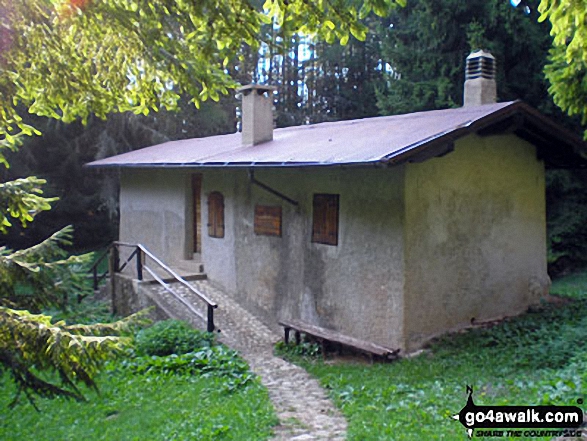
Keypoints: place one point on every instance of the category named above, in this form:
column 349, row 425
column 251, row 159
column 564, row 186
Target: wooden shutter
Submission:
column 325, row 219
column 216, row 214
column 267, row 220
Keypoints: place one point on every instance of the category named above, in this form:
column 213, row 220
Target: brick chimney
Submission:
column 256, row 113
column 480, row 86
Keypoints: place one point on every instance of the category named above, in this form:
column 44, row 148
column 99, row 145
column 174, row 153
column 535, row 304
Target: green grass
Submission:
column 535, row 359
column 573, row 286
column 137, row 407
column 207, row 392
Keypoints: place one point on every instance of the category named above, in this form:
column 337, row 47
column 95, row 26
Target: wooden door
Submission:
column 197, row 211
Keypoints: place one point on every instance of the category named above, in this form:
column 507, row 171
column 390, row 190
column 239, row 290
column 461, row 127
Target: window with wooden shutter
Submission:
column 267, row 220
column 325, row 219
column 216, row 214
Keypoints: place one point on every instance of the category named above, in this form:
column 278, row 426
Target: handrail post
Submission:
column 95, row 276
column 115, row 259
column 210, row 318
column 139, row 264
column 112, row 270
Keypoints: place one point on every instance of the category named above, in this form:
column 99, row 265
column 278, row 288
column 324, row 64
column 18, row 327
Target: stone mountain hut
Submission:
column 391, row 229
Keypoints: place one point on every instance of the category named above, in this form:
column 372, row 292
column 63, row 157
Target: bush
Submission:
column 215, row 361
column 171, row 337
column 173, row 348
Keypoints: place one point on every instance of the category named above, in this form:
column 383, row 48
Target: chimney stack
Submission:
column 480, row 86
column 256, row 113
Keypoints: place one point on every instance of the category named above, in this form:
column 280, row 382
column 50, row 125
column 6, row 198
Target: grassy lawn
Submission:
column 149, row 397
column 135, row 407
column 535, row 359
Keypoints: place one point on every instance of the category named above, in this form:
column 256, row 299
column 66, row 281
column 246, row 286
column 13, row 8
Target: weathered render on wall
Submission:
column 354, row 287
column 422, row 248
column 218, row 254
column 155, row 211
column 475, row 235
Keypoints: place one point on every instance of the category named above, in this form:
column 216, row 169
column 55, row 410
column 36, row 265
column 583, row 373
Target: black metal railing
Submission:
column 140, row 254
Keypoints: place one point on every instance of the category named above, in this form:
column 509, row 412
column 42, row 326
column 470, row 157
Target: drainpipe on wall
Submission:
column 270, row 190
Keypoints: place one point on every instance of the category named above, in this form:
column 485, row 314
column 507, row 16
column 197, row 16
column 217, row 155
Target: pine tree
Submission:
column 427, row 43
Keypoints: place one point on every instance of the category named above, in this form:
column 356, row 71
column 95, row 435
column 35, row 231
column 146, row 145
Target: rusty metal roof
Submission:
column 380, row 140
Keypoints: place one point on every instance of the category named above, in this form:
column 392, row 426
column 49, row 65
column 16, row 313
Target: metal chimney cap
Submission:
column 480, row 64
column 480, row 53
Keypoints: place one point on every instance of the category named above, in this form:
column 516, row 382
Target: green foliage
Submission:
column 103, row 57
column 43, row 275
column 21, row 200
column 100, row 57
column 566, row 202
column 88, row 310
column 45, row 357
column 476, row 36
column 145, row 407
column 172, row 347
column 536, row 359
column 545, row 338
column 567, row 65
column 159, row 52
column 33, row 348
column 172, row 337
column 573, row 286
column 217, row 361
column 304, row 349
column 428, row 41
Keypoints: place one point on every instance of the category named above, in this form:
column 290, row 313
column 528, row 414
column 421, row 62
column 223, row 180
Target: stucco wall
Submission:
column 475, row 235
column 218, row 254
column 468, row 228
column 354, row 287
column 154, row 206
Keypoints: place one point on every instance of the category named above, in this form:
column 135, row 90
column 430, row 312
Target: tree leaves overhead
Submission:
column 67, row 59
column 21, row 200
column 115, row 56
column 567, row 67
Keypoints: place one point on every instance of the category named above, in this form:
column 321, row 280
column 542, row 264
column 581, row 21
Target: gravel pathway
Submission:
column 303, row 409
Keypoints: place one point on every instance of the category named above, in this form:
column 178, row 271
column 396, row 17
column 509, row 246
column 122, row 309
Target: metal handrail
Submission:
column 171, row 291
column 97, row 278
column 176, row 276
column 139, row 251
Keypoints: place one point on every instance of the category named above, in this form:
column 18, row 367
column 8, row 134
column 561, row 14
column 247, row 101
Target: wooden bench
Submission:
column 323, row 335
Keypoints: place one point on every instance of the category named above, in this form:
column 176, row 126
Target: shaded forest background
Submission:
column 410, row 61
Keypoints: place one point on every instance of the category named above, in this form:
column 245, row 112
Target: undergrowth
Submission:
column 177, row 383
column 304, row 349
column 172, row 337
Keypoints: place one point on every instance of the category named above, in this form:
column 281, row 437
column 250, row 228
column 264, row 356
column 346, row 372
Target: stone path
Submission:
column 303, row 409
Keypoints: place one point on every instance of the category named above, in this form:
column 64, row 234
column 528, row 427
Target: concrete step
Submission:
column 173, row 308
column 188, row 269
column 168, row 279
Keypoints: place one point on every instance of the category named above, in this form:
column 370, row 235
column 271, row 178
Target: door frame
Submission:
column 196, row 227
